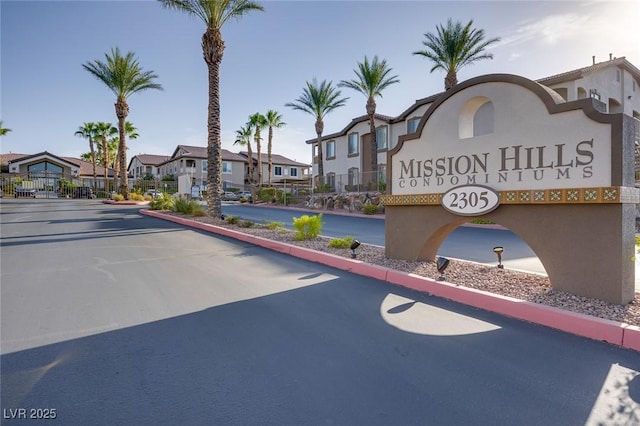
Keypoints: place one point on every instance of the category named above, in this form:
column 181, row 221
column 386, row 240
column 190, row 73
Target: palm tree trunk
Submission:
column 450, row 80
column 259, row 157
column 250, row 165
column 371, row 110
column 122, row 110
column 93, row 163
column 269, row 161
column 212, row 50
column 105, row 163
column 319, row 129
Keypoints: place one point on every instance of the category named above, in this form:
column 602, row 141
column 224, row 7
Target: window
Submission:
column 382, row 173
column 226, row 167
column 331, row 149
column 331, row 180
column 593, row 93
column 618, row 76
column 353, row 144
column 204, row 165
column 277, row 170
column 293, row 172
column 412, row 125
column 381, row 137
column 353, row 176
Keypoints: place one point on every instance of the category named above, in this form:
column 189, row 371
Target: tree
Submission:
column 454, row 47
column 124, row 76
column 274, row 121
column 372, row 79
column 257, row 122
column 214, row 14
column 3, row 130
column 318, row 100
column 104, row 133
column 88, row 131
column 132, row 133
column 243, row 138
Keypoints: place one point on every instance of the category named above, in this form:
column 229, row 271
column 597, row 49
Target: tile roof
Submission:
column 581, row 72
column 151, row 159
column 86, row 169
column 201, row 152
column 275, row 159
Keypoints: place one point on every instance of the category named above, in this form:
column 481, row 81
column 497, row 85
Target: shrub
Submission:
column 232, row 220
column 307, row 227
column 118, row 197
column 246, row 224
column 166, row 202
column 370, row 209
column 136, row 197
column 275, row 225
column 341, row 242
column 190, row 207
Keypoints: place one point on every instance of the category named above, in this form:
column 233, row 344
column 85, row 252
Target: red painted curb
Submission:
column 631, row 337
column 571, row 322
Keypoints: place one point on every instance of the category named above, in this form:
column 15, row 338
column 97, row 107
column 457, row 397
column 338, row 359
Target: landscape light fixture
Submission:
column 498, row 251
column 354, row 245
column 442, row 263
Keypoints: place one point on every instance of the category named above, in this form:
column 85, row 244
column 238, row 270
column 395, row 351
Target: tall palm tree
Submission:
column 124, row 76
column 274, row 121
column 454, row 47
column 132, row 133
column 257, row 122
column 243, row 138
column 372, row 78
column 88, row 131
column 214, row 14
column 318, row 100
column 3, row 130
column 104, row 133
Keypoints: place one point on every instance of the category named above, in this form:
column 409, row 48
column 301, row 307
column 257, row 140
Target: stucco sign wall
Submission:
column 512, row 150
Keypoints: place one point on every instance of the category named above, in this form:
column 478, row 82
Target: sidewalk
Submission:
column 613, row 332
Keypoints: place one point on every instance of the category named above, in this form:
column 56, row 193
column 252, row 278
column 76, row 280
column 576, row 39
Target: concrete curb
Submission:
column 613, row 332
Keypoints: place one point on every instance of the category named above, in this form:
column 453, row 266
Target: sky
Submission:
column 45, row 94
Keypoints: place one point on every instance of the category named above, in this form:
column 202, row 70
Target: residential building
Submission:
column 146, row 166
column 283, row 169
column 192, row 161
column 44, row 170
column 347, row 155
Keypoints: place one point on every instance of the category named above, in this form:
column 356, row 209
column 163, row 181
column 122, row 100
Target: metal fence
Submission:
column 353, row 181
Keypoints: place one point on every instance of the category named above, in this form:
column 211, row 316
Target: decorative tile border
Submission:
column 599, row 195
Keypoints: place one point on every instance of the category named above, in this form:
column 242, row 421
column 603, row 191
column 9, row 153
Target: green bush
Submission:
column 118, row 197
column 275, row 225
column 136, row 197
column 166, row 202
column 246, row 224
column 370, row 209
column 307, row 227
column 232, row 220
column 190, row 207
column 341, row 242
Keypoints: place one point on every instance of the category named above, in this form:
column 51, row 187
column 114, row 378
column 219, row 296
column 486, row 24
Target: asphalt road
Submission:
column 468, row 243
column 112, row 318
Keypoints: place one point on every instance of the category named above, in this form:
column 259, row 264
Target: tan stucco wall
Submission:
column 558, row 234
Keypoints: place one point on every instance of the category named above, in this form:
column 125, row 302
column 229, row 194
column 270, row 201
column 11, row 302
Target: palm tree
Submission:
column 318, row 100
column 274, row 121
column 132, row 133
column 88, row 131
column 214, row 14
column 124, row 76
column 257, row 122
column 3, row 130
column 455, row 47
column 243, row 138
column 104, row 133
column 372, row 79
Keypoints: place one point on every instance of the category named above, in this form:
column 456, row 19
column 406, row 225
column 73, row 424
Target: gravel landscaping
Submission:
column 519, row 285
